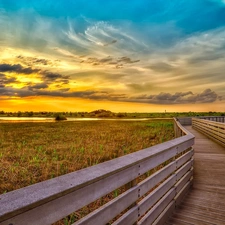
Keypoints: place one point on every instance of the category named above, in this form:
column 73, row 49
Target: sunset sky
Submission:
column 118, row 55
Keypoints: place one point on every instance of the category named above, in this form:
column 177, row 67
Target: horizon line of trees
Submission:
column 107, row 113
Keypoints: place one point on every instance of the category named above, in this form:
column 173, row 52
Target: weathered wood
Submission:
column 167, row 212
column 182, row 193
column 65, row 205
column 150, row 200
column 213, row 118
column 185, row 144
column 204, row 204
column 209, row 126
column 184, row 169
column 152, row 215
column 156, row 178
column 184, row 180
column 117, row 205
column 214, row 130
column 153, row 197
column 184, row 158
column 129, row 217
column 110, row 210
column 185, row 121
column 140, row 209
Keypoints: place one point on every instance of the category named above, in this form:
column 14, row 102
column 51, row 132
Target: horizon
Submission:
column 147, row 56
column 146, row 112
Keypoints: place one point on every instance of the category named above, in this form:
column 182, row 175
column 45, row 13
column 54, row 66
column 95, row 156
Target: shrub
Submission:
column 60, row 117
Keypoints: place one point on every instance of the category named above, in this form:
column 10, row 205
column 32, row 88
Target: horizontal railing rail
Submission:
column 214, row 130
column 149, row 200
column 220, row 119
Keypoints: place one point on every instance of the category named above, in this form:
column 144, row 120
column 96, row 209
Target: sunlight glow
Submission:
column 151, row 59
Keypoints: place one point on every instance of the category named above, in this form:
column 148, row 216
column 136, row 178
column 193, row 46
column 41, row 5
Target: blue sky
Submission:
column 137, row 55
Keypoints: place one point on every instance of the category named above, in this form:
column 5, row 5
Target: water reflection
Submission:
column 47, row 119
column 26, row 119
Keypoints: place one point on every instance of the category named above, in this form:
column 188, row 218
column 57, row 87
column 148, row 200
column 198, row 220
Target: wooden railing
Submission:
column 147, row 201
column 214, row 130
column 220, row 119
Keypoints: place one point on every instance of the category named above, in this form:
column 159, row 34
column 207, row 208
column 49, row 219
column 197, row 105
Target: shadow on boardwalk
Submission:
column 205, row 203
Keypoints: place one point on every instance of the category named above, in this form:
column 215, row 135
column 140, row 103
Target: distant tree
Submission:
column 31, row 113
column 101, row 113
column 120, row 115
column 19, row 114
column 59, row 117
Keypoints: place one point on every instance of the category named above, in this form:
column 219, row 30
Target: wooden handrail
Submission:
column 214, row 130
column 49, row 201
column 220, row 119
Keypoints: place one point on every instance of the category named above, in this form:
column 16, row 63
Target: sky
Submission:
column 118, row 55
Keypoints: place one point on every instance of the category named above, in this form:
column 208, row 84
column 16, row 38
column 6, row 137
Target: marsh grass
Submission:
column 34, row 152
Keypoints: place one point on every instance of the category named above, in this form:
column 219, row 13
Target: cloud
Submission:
column 126, row 60
column 206, row 58
column 39, row 91
column 45, row 75
column 207, row 96
column 146, row 86
column 161, row 67
column 34, row 61
column 7, row 80
column 196, row 60
column 110, row 43
column 100, row 38
column 39, row 86
column 52, row 77
column 109, row 61
column 17, row 68
column 204, row 44
column 162, row 49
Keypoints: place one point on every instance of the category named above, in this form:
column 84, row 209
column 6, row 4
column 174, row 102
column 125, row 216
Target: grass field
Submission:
column 33, row 152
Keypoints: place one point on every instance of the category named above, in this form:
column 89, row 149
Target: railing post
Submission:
column 175, row 129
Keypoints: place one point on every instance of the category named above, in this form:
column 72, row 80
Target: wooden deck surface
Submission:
column 205, row 203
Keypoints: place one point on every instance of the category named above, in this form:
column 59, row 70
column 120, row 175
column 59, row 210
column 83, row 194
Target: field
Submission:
column 33, row 152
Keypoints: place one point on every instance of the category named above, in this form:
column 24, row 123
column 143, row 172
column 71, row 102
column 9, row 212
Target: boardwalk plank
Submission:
column 205, row 203
column 181, row 222
column 191, row 219
column 202, row 207
column 207, row 212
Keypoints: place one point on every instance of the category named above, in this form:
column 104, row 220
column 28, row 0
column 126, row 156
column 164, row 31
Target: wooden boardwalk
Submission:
column 205, row 203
